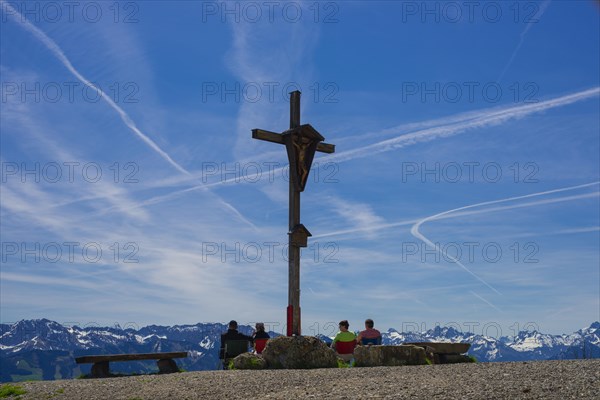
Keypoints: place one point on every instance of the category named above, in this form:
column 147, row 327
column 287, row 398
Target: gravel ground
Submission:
column 574, row 379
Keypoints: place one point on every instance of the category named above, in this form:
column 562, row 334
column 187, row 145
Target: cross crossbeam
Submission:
column 275, row 137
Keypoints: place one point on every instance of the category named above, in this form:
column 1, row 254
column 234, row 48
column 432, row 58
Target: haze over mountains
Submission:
column 44, row 349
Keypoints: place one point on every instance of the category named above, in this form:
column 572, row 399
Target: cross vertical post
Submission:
column 301, row 143
column 293, row 311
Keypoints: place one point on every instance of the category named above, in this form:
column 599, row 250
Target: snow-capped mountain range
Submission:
column 44, row 349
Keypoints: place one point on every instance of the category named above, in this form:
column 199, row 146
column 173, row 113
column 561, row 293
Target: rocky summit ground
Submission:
column 573, row 379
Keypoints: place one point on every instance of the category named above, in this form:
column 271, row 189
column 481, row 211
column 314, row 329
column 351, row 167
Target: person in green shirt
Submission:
column 344, row 341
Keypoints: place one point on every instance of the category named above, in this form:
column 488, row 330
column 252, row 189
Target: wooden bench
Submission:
column 232, row 349
column 444, row 352
column 100, row 368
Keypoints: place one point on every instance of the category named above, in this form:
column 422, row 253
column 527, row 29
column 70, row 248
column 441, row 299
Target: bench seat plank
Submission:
column 129, row 357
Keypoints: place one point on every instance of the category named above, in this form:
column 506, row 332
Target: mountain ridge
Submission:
column 45, row 349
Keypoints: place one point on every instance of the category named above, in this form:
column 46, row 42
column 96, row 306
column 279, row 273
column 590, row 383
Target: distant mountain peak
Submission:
column 594, row 326
column 447, row 332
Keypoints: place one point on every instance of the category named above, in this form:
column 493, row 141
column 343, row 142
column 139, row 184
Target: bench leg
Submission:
column 167, row 366
column 100, row 370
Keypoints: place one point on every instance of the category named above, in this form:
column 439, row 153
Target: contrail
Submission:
column 57, row 51
column 379, row 227
column 485, row 301
column 471, row 121
column 482, row 120
column 416, row 233
column 541, row 11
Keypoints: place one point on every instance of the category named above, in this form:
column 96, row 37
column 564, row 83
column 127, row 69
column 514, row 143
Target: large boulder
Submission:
column 249, row 361
column 389, row 356
column 298, row 352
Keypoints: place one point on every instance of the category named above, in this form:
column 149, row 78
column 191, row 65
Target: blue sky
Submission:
column 464, row 187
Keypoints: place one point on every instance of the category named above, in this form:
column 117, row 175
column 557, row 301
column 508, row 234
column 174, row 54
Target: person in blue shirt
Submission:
column 369, row 335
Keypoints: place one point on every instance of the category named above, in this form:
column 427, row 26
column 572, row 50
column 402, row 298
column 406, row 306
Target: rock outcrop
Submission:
column 389, row 356
column 249, row 361
column 298, row 352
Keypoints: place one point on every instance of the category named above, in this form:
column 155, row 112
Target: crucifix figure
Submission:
column 301, row 143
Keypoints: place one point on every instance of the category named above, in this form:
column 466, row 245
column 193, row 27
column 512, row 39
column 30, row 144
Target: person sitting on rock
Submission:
column 369, row 335
column 259, row 331
column 260, row 337
column 344, row 342
column 231, row 334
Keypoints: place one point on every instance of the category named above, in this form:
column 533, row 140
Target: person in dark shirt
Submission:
column 260, row 338
column 259, row 332
column 232, row 334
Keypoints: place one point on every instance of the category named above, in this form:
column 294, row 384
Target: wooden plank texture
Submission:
column 130, row 357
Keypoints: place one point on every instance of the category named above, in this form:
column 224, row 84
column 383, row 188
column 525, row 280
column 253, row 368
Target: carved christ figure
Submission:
column 301, row 144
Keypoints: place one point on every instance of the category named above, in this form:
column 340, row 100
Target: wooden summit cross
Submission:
column 301, row 142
